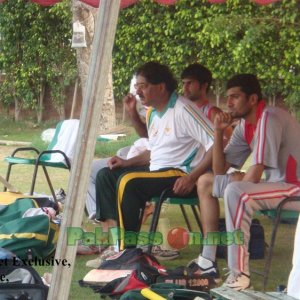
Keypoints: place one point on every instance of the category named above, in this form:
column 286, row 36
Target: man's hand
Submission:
column 130, row 103
column 183, row 185
column 222, row 120
column 117, row 162
column 237, row 176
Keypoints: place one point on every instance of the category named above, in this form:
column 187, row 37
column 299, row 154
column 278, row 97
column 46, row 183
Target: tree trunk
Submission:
column 41, row 104
column 74, row 101
column 218, row 91
column 270, row 100
column 86, row 15
column 218, row 99
column 18, row 108
column 274, row 100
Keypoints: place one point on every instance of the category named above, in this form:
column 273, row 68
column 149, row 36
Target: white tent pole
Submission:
column 84, row 153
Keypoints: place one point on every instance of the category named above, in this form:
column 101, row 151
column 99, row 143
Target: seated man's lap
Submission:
column 135, row 189
column 268, row 194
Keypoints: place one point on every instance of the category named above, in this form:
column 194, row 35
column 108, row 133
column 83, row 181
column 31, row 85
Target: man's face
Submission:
column 191, row 89
column 238, row 103
column 148, row 93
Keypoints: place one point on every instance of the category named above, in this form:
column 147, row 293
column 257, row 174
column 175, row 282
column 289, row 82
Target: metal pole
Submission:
column 84, row 153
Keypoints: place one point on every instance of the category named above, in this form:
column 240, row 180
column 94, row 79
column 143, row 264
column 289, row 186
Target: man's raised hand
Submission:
column 222, row 120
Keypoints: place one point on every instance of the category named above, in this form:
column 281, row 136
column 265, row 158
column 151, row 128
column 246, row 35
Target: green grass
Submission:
column 21, row 177
column 21, row 131
column 106, row 149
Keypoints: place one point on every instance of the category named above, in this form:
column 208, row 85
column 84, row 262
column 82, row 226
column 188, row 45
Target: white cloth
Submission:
column 97, row 165
column 66, row 140
column 47, row 135
column 138, row 147
column 48, row 211
column 293, row 288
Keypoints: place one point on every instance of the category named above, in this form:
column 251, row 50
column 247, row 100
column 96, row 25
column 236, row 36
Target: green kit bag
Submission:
column 168, row 291
column 28, row 237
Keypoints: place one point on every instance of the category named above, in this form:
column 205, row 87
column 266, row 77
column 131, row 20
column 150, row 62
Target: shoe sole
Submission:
column 238, row 289
column 165, row 258
column 87, row 253
column 93, row 266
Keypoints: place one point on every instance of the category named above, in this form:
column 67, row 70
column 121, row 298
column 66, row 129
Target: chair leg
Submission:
column 270, row 252
column 196, row 215
column 8, row 175
column 154, row 222
column 185, row 217
column 273, row 237
column 155, row 217
column 48, row 181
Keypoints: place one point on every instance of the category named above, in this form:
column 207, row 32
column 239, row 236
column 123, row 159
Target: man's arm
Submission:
column 142, row 159
column 184, row 185
column 228, row 131
column 130, row 106
column 254, row 173
column 219, row 164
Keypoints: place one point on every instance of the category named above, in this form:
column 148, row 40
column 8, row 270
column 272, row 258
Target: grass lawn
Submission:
column 21, row 179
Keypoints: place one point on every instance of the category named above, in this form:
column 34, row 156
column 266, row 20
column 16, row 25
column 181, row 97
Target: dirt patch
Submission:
column 5, row 151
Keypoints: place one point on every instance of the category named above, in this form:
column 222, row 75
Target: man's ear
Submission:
column 253, row 99
column 204, row 86
column 162, row 87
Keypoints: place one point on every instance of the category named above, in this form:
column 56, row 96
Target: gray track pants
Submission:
column 241, row 200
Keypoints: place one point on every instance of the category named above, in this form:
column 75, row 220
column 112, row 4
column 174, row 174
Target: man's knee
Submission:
column 103, row 174
column 128, row 183
column 205, row 182
column 233, row 191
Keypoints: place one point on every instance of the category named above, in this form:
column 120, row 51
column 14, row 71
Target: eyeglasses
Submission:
column 141, row 85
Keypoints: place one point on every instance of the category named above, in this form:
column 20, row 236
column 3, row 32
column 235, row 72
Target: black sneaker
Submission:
column 164, row 254
column 205, row 266
column 60, row 195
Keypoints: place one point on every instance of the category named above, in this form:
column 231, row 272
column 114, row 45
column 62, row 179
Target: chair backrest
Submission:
column 64, row 139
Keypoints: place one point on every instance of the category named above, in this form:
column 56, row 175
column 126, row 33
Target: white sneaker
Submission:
column 237, row 282
column 95, row 263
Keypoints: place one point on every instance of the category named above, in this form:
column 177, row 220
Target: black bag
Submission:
column 145, row 269
column 256, row 243
column 130, row 259
column 18, row 281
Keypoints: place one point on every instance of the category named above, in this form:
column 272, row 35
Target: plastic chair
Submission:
column 58, row 154
column 192, row 201
column 276, row 214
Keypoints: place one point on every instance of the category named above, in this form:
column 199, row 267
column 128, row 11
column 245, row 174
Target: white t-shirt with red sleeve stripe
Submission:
column 274, row 142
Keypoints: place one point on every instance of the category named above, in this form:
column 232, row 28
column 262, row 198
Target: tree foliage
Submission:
column 234, row 37
column 35, row 53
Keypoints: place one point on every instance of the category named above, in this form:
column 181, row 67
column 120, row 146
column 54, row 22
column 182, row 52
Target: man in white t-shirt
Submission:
column 180, row 138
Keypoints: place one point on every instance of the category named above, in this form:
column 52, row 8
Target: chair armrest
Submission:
column 23, row 149
column 68, row 163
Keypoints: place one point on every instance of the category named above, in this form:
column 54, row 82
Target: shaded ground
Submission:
column 282, row 255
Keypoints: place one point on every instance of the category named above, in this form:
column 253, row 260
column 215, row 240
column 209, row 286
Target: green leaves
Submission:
column 239, row 36
column 35, row 52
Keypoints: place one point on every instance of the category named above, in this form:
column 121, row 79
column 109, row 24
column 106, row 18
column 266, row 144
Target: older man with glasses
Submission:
column 180, row 139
